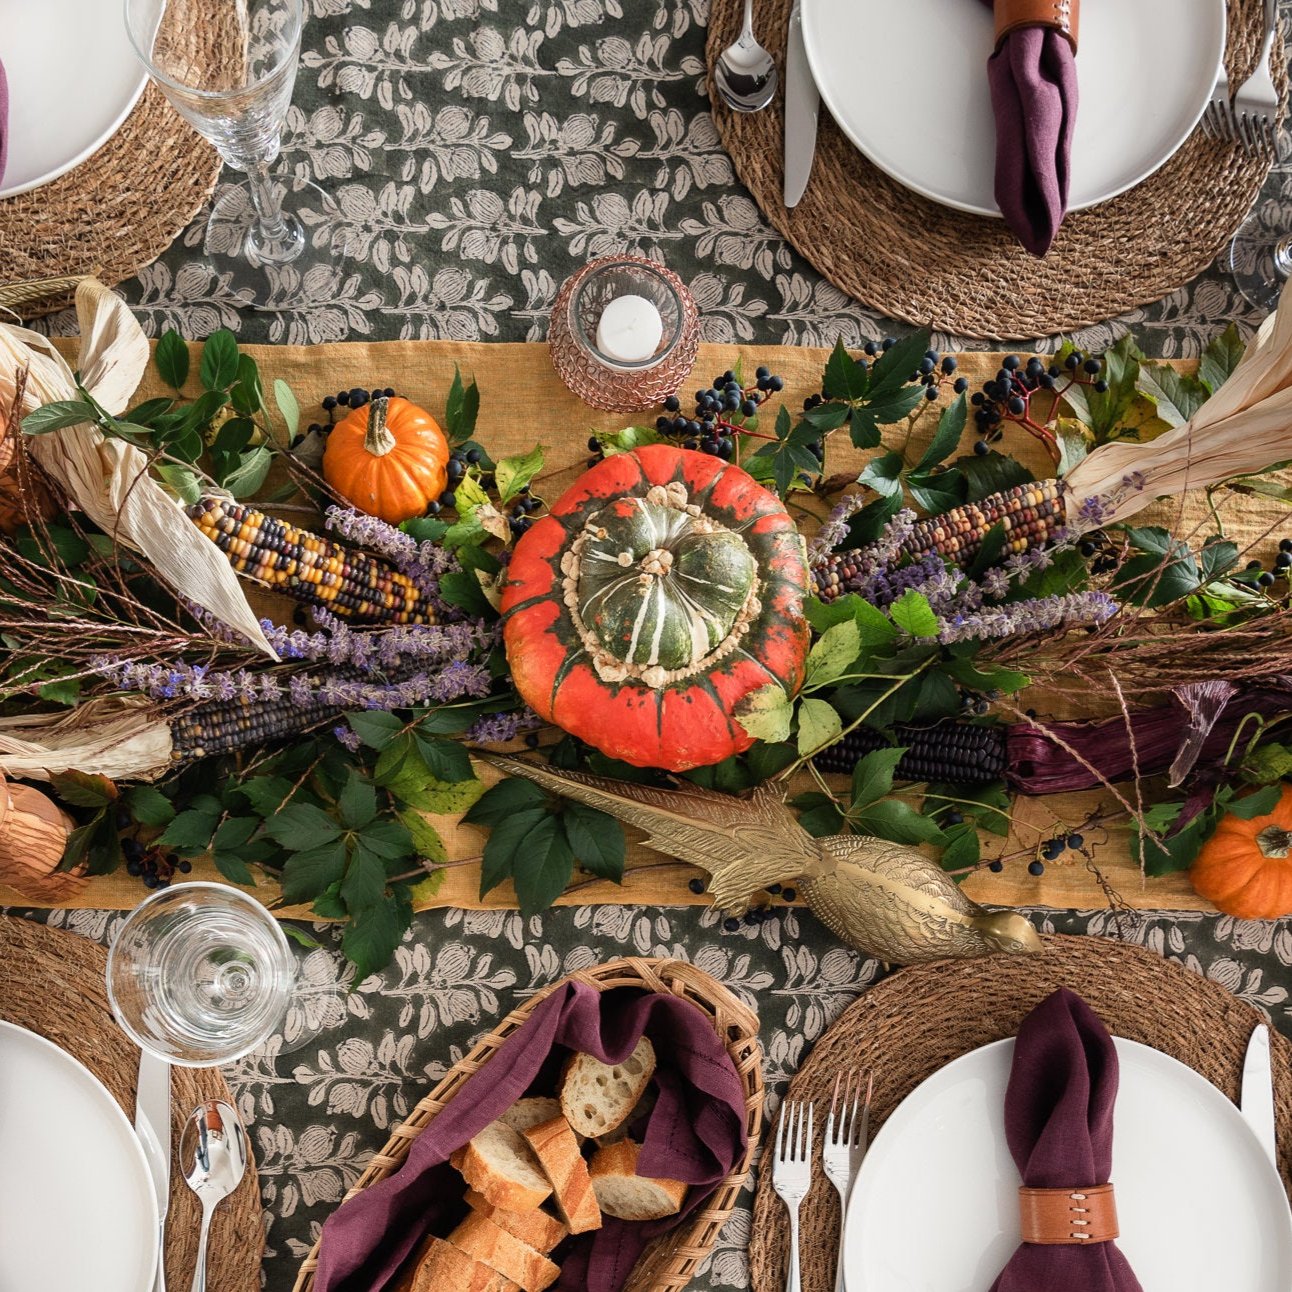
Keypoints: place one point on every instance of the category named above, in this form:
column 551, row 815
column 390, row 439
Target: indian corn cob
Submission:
column 1031, row 514
column 309, row 567
column 964, row 753
column 223, row 726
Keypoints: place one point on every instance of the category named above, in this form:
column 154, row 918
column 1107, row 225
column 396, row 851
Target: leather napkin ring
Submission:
column 1063, row 16
column 1053, row 1216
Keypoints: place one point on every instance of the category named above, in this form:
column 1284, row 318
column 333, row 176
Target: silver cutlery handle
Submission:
column 793, row 1281
column 159, row 1281
column 199, row 1274
column 838, row 1269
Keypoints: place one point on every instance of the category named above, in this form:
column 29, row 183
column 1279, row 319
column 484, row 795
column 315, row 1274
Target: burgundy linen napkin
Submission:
column 1033, row 78
column 1059, row 1126
column 4, row 120
column 696, row 1134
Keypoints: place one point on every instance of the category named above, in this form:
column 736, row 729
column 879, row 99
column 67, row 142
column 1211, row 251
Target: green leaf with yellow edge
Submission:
column 912, row 612
column 425, row 889
column 819, row 726
column 833, row 654
column 766, row 713
column 426, row 838
column 515, row 473
column 83, row 789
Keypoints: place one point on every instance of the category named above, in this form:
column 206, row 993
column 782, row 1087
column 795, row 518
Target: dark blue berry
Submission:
column 1285, row 544
column 151, row 881
column 184, row 867
column 1283, row 560
column 456, row 469
column 329, row 403
column 962, row 384
column 1053, row 849
column 1011, row 363
column 474, row 455
column 731, row 924
column 1092, row 366
column 789, row 894
column 931, row 392
column 981, row 448
column 871, row 348
column 953, row 818
column 1266, row 579
column 134, row 868
column 927, row 365
column 949, row 364
column 773, row 889
column 776, row 383
column 696, row 886
column 749, row 408
column 996, row 867
column 672, row 403
column 448, row 498
column 762, row 372
column 1075, row 841
column 1102, row 387
column 1254, row 565
column 1036, row 868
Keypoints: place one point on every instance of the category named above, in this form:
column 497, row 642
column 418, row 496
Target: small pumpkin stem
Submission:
column 1274, row 841
column 379, row 439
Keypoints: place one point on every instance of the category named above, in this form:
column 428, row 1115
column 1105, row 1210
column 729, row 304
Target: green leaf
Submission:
column 872, row 777
column 883, row 474
column 266, row 794
column 1220, row 358
column 234, row 869
column 247, row 477
column 309, row 873
column 897, row 821
column 1267, row 764
column 358, row 802
column 990, row 550
column 986, row 677
column 302, row 825
column 515, row 473
column 844, row 377
column 766, row 713
column 364, row 884
column 912, row 612
column 877, row 630
column 248, row 394
column 425, row 529
column 1259, row 803
column 822, row 418
column 219, row 366
column 461, row 409
column 832, row 655
column 596, row 839
column 171, row 358
column 83, row 789
column 1175, row 395
column 389, row 840
column 447, row 760
column 819, row 815
column 546, row 868
column 962, row 850
column 149, row 806
column 1163, row 856
column 146, row 413
column 445, row 799
column 946, row 438
column 371, row 939
column 376, row 730
column 504, row 800
column 866, row 525
column 329, row 904
column 65, row 691
column 936, row 491
column 233, row 832
column 1074, row 444
column 181, row 481
column 191, row 829
column 883, row 410
column 1152, row 581
column 893, row 368
column 1218, row 557
column 57, row 415
column 989, row 474
column 508, row 842
column 819, row 725
column 461, row 588
column 1105, row 411
column 424, row 836
column 288, row 407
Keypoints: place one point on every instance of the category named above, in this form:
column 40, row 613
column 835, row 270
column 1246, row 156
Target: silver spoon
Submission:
column 745, row 73
column 213, row 1154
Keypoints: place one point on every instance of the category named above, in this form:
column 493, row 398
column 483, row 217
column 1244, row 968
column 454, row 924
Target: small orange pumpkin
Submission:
column 1245, row 868
column 388, row 458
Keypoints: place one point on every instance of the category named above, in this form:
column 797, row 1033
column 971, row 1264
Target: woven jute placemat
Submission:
column 967, row 275
column 52, row 983
column 113, row 214
column 920, row 1019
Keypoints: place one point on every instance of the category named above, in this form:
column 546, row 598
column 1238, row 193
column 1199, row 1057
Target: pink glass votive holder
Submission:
column 604, row 380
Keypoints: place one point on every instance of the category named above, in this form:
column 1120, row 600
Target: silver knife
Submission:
column 1257, row 1100
column 801, row 104
column 152, row 1125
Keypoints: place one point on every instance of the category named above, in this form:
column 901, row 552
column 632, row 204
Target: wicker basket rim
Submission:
column 671, row 1261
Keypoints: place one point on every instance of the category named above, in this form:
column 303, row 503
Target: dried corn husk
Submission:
column 1246, row 427
column 108, row 478
column 115, row 736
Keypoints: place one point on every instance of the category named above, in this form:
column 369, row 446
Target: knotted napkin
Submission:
column 696, row 1134
column 4, row 120
column 1033, row 78
column 1059, row 1126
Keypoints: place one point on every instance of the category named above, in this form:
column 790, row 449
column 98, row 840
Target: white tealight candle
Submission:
column 630, row 329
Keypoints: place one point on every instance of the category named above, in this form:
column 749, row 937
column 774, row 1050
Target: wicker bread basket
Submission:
column 670, row 1262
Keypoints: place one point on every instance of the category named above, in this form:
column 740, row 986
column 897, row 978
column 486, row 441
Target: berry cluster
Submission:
column 347, row 399
column 152, row 863
column 1008, row 396
column 1281, row 569
column 721, row 411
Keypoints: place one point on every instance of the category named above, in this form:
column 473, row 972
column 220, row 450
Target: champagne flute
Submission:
column 228, row 68
column 200, row 974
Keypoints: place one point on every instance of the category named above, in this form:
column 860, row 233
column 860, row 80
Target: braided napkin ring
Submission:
column 1080, row 1215
column 1060, row 15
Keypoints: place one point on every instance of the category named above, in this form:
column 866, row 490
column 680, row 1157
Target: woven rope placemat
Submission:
column 113, row 214
column 967, row 275
column 52, row 983
column 920, row 1019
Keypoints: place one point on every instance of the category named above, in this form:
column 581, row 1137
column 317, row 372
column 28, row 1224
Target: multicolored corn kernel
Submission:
column 963, row 753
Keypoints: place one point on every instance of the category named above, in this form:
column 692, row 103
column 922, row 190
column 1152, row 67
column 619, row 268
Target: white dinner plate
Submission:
column 73, row 80
column 76, row 1199
column 907, row 82
column 1201, row 1208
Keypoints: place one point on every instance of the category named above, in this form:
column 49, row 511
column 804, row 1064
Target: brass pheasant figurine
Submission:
column 886, row 900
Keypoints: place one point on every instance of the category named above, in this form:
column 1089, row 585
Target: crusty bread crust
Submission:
column 597, row 1097
column 541, row 1231
column 623, row 1193
column 558, row 1154
column 484, row 1241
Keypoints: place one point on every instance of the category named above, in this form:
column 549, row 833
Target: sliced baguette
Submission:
column 441, row 1265
column 484, row 1241
column 641, row 1111
column 597, row 1097
column 558, row 1154
column 525, row 1113
column 541, row 1231
column 499, row 1164
column 624, row 1194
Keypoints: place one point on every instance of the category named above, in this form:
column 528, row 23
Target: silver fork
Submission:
column 792, row 1174
column 1218, row 116
column 1257, row 102
column 844, row 1147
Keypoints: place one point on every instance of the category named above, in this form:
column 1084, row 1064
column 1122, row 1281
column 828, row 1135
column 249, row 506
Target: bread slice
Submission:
column 558, row 1154
column 541, row 1231
column 441, row 1265
column 640, row 1113
column 596, row 1097
column 499, row 1164
column 532, row 1111
column 486, row 1242
column 624, row 1194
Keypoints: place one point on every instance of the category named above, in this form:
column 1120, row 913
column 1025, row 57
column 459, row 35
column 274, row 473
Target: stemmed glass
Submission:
column 1260, row 256
column 200, row 974
column 228, row 68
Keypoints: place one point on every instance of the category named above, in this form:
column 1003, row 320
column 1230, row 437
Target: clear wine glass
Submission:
column 200, row 974
column 1260, row 256
column 228, row 68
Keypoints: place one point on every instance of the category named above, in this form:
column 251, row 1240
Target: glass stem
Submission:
column 274, row 229
column 1283, row 259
